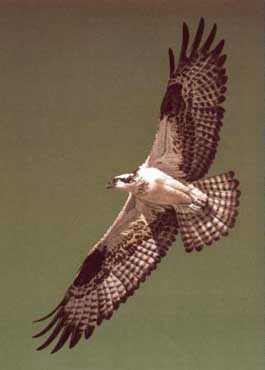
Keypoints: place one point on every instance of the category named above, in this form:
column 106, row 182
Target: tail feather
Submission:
column 211, row 230
column 216, row 218
column 221, row 200
column 189, row 232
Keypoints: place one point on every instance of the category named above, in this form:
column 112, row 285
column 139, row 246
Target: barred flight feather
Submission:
column 191, row 111
column 98, row 290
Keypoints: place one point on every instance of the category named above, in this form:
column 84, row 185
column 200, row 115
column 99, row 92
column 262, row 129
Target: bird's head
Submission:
column 126, row 182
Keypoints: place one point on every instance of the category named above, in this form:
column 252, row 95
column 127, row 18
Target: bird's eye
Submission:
column 130, row 179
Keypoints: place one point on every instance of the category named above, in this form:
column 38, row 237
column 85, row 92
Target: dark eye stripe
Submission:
column 127, row 180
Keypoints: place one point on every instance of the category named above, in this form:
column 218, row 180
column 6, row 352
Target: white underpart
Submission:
column 165, row 190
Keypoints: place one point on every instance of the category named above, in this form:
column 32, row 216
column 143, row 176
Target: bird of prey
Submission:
column 167, row 194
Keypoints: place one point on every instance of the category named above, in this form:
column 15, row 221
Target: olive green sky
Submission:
column 79, row 99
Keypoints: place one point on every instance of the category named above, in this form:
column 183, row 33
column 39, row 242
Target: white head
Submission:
column 126, row 182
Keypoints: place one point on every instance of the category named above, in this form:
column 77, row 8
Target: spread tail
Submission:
column 217, row 215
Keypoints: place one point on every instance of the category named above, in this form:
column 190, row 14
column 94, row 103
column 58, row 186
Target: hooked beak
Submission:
column 110, row 184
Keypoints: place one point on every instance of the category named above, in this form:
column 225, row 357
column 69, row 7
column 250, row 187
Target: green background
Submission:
column 80, row 93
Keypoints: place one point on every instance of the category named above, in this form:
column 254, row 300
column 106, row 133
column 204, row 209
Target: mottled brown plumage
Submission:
column 184, row 148
column 112, row 272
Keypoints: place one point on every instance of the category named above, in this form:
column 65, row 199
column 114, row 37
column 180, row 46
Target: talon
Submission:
column 197, row 196
column 194, row 207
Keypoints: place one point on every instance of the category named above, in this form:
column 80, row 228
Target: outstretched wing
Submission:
column 112, row 271
column 191, row 112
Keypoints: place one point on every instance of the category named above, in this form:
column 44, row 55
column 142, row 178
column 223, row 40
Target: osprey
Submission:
column 167, row 195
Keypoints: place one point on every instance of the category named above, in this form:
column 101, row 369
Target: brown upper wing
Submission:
column 191, row 112
column 112, row 271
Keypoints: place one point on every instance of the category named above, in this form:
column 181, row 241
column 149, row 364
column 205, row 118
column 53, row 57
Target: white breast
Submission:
column 162, row 188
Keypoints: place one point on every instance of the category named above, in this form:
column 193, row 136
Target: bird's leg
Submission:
column 198, row 197
column 177, row 185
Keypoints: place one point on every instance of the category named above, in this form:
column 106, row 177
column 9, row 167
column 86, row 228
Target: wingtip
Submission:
column 42, row 318
column 198, row 37
column 208, row 42
column 41, row 347
column 75, row 337
column 37, row 335
column 48, row 327
column 54, row 350
column 56, row 330
column 89, row 331
column 50, row 313
column 171, row 62
column 63, row 339
column 185, row 27
column 185, row 41
column 202, row 22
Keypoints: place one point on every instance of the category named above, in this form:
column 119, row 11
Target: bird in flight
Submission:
column 167, row 194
